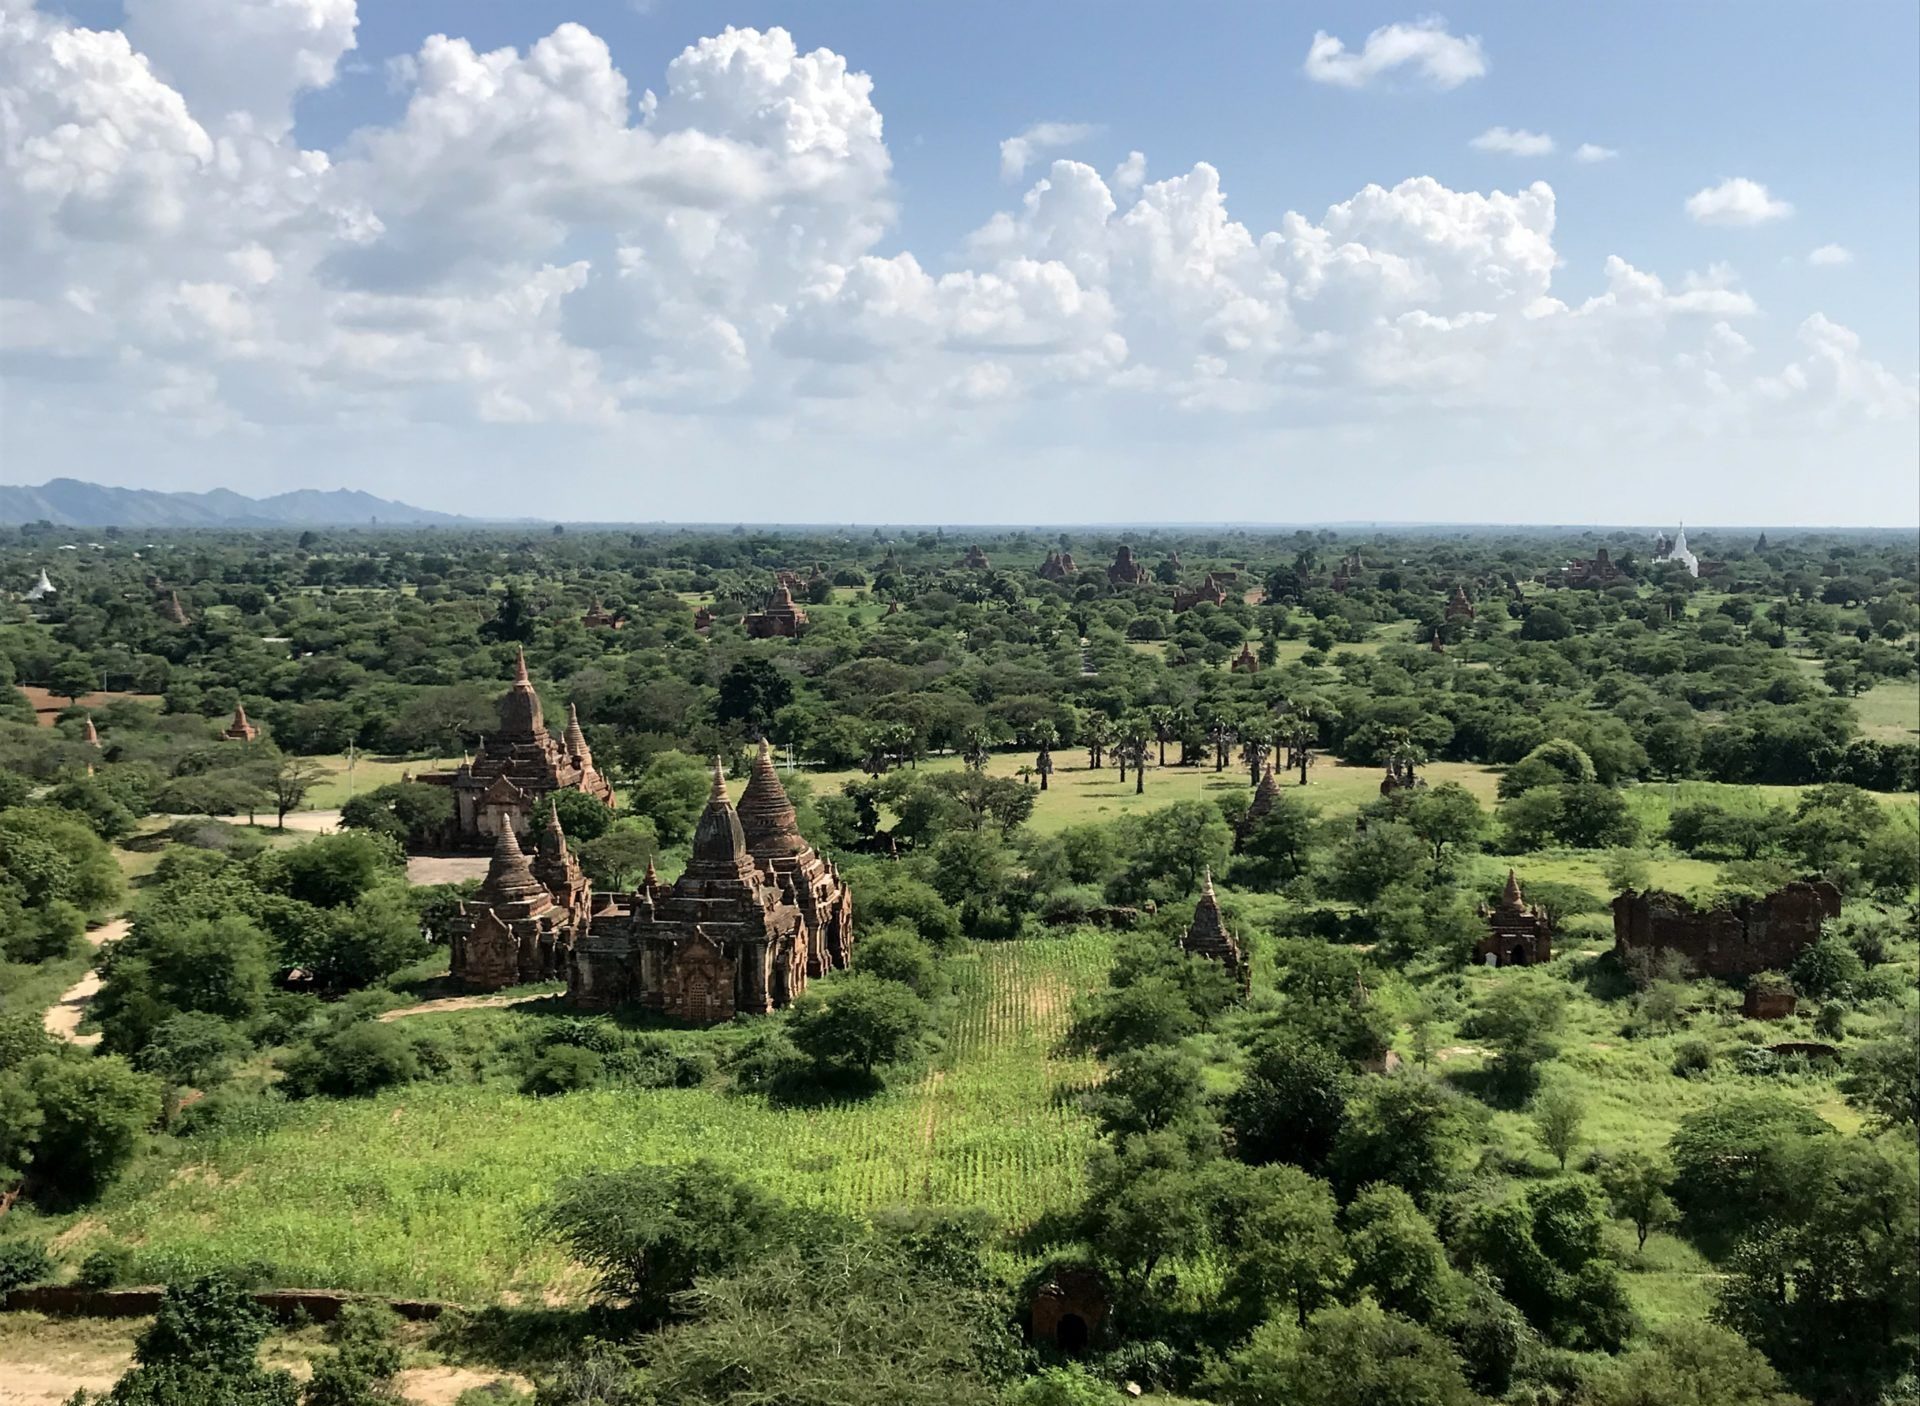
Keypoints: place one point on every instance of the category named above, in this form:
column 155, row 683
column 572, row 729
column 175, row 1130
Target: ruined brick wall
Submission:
column 1751, row 936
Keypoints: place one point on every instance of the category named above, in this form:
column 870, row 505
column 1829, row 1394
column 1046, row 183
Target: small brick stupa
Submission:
column 1207, row 934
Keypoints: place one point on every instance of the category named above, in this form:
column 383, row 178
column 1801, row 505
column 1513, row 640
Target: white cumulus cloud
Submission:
column 1592, row 153
column 1830, row 256
column 535, row 245
column 1737, row 201
column 1441, row 59
column 1017, row 153
column 1513, row 142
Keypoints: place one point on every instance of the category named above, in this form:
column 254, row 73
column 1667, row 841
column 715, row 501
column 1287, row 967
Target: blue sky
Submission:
column 540, row 286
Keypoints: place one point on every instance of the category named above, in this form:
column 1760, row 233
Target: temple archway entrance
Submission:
column 1071, row 1335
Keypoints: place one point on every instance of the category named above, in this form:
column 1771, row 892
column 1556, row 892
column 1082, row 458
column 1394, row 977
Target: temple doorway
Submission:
column 1070, row 1336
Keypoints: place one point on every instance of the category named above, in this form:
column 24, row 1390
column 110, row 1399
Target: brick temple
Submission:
column 518, row 767
column 755, row 915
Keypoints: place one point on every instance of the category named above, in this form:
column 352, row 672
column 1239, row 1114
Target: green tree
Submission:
column 1374, row 860
column 1883, row 1076
column 202, row 1349
column 1403, row 1129
column 1286, row 1246
column 1636, row 1184
column 1687, row 1363
column 1292, row 1103
column 1521, row 1018
column 671, row 791
column 1447, row 814
column 649, row 1231
column 1397, row 1256
column 1146, row 1090
column 1558, row 1112
column 897, row 953
column 364, row 1367
column 1145, row 1204
column 751, row 691
column 907, row 1328
column 292, row 778
column 86, row 1121
column 1359, row 1356
column 858, row 1022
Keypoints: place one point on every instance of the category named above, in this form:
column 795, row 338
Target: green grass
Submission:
column 1077, row 794
column 426, row 1189
column 369, row 773
column 1889, row 711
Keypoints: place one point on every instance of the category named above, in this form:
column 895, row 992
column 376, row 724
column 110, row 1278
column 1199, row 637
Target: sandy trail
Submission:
column 462, row 1003
column 62, row 1019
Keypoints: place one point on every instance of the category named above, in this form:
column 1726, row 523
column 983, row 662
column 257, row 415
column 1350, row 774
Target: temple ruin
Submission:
column 780, row 618
column 1737, row 939
column 1125, row 571
column 1208, row 592
column 240, row 729
column 1059, row 566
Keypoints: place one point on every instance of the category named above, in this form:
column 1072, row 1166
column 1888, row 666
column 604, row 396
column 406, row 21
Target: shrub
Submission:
column 362, row 1058
column 1692, row 1058
column 649, row 1230
column 1828, row 968
column 105, row 1266
column 563, row 1069
column 22, row 1262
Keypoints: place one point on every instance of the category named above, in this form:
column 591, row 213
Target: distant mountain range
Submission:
column 69, row 502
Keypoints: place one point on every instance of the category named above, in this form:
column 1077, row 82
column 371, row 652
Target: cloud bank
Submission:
column 653, row 280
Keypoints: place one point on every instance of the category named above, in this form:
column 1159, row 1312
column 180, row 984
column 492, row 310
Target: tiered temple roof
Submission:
column 1519, row 934
column 1058, row 566
column 1458, row 606
column 520, row 764
column 755, row 914
column 1245, row 662
column 975, row 559
column 239, row 730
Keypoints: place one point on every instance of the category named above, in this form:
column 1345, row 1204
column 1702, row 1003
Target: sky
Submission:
column 638, row 260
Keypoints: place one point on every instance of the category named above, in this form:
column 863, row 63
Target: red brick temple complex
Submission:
column 781, row 619
column 517, row 767
column 756, row 913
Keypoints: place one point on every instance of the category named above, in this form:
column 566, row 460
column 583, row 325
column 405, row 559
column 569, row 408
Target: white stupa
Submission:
column 1678, row 553
column 42, row 588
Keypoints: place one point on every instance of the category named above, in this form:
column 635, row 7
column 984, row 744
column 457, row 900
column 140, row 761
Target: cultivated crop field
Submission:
column 426, row 1190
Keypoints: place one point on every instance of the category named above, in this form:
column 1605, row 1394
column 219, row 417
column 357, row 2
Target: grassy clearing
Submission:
column 426, row 1190
column 1889, row 711
column 332, row 791
column 1078, row 794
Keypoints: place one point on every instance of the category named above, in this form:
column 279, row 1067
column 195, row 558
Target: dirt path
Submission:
column 462, row 1003
column 62, row 1019
column 49, row 1383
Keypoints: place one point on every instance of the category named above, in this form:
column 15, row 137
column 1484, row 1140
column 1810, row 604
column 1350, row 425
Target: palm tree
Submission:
column 1221, row 734
column 1166, row 727
column 1136, row 743
column 1098, row 734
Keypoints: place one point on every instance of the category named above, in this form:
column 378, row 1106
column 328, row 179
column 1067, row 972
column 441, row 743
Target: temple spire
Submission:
column 555, row 839
column 766, row 812
column 1512, row 896
column 92, row 734
column 520, row 675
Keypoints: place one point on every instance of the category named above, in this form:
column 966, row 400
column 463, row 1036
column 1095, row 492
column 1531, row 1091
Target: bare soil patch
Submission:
column 445, row 868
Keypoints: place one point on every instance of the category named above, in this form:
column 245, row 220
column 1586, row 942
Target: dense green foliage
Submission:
column 1369, row 1171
